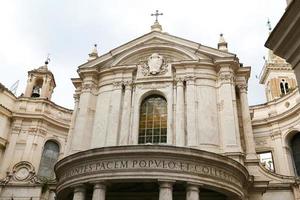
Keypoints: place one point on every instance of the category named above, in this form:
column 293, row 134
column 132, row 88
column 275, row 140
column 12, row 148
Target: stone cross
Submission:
column 156, row 14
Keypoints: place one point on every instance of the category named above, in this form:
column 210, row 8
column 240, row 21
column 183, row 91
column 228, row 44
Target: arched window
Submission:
column 153, row 120
column 48, row 160
column 284, row 87
column 36, row 91
column 295, row 145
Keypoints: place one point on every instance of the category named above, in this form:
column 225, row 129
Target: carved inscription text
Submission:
column 106, row 166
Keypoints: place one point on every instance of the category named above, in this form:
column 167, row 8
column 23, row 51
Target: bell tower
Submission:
column 277, row 76
column 40, row 83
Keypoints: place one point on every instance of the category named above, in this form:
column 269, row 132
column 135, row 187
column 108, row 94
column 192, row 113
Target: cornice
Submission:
column 274, row 67
column 293, row 112
column 275, row 101
column 5, row 111
column 45, row 101
column 42, row 116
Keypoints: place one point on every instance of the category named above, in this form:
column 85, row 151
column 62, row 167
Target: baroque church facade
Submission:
column 160, row 117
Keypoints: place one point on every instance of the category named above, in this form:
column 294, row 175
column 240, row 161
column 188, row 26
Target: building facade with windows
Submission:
column 160, row 117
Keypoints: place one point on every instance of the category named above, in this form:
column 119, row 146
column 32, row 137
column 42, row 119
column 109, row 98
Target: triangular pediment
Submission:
column 171, row 47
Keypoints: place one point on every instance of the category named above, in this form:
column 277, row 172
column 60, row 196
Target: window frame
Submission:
column 52, row 176
column 155, row 137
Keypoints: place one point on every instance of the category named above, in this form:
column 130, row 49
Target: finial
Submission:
column 45, row 66
column 222, row 45
column 47, row 59
column 94, row 54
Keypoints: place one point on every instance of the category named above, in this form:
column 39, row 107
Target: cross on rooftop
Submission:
column 156, row 14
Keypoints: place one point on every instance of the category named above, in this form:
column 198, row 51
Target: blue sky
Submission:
column 68, row 29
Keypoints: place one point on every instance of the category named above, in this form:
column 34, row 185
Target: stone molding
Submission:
column 152, row 162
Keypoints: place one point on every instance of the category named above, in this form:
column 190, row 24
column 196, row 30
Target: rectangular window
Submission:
column 266, row 159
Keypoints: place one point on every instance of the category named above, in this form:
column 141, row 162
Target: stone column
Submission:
column 126, row 114
column 99, row 191
column 247, row 126
column 165, row 190
column 180, row 139
column 192, row 192
column 114, row 119
column 192, row 139
column 79, row 193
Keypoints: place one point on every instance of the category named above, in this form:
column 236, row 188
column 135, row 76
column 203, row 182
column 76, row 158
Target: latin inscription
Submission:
column 150, row 164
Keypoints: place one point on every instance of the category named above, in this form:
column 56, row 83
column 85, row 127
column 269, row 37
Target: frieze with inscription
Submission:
column 150, row 164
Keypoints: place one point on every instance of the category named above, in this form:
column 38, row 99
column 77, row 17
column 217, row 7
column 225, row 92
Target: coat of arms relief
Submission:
column 155, row 65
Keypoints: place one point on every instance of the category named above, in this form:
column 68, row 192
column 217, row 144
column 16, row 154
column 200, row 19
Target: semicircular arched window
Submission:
column 153, row 120
column 49, row 158
column 295, row 145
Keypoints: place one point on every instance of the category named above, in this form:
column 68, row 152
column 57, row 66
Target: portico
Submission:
column 157, row 171
column 159, row 190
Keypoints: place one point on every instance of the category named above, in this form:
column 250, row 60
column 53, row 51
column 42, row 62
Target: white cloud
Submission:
column 67, row 30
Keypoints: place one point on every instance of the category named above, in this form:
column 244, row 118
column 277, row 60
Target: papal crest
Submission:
column 154, row 65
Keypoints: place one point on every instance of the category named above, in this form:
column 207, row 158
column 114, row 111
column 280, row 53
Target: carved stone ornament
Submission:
column 22, row 172
column 155, row 65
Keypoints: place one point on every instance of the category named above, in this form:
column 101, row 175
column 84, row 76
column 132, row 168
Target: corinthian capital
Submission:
column 226, row 77
column 118, row 85
column 128, row 84
column 243, row 87
column 190, row 79
column 179, row 81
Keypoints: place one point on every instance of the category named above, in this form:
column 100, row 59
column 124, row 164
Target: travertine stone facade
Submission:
column 112, row 88
column 209, row 140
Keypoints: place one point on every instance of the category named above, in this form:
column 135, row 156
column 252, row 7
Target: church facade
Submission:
column 160, row 117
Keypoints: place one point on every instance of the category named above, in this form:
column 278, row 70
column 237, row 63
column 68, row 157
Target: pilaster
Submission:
column 114, row 119
column 82, row 133
column 191, row 111
column 126, row 114
column 227, row 112
column 180, row 136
